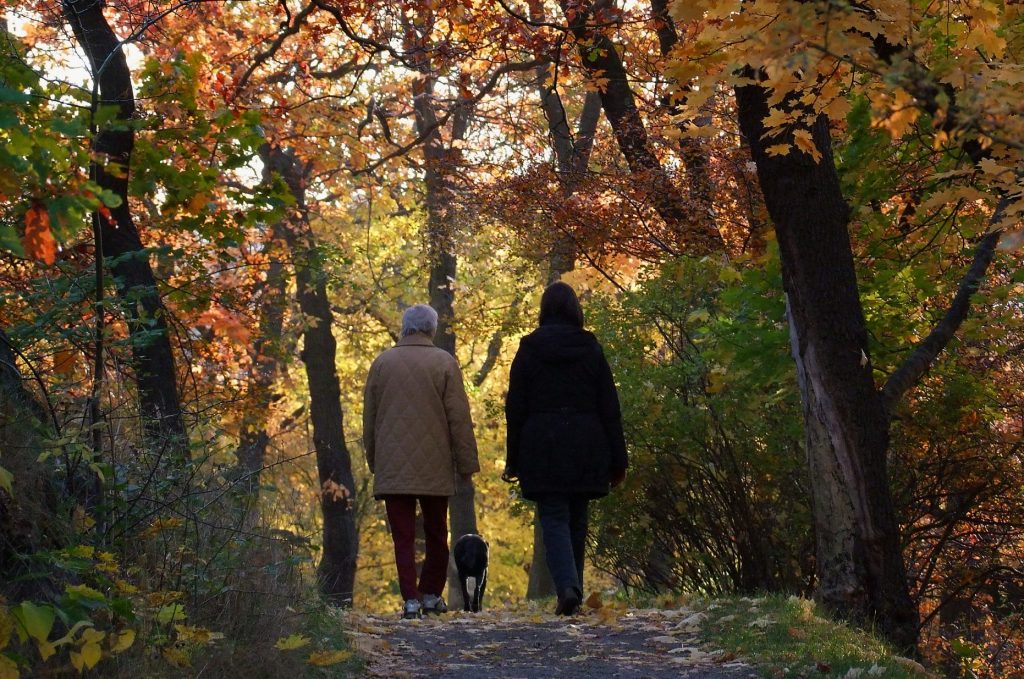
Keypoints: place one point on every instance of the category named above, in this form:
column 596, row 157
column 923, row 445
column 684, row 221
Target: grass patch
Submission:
column 791, row 638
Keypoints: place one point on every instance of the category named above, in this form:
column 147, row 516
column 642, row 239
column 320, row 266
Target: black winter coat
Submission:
column 562, row 410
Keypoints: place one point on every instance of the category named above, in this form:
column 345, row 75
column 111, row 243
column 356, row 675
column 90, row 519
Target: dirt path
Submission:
column 621, row 643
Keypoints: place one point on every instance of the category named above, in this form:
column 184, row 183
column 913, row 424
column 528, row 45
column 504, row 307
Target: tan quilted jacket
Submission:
column 417, row 429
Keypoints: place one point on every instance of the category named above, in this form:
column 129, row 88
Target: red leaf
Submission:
column 38, row 240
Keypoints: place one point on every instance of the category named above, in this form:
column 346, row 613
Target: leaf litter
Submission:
column 606, row 640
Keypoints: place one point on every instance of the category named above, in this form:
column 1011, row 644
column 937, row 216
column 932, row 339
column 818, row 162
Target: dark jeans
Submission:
column 563, row 519
column 401, row 511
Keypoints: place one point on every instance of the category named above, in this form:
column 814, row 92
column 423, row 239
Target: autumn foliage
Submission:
column 262, row 180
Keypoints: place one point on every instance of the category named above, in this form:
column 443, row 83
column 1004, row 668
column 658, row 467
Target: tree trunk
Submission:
column 540, row 583
column 859, row 565
column 337, row 568
column 600, row 58
column 700, row 184
column 152, row 357
column 264, row 354
column 572, row 154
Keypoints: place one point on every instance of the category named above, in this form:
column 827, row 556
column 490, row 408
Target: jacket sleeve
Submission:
column 460, row 422
column 611, row 416
column 370, row 417
column 516, row 411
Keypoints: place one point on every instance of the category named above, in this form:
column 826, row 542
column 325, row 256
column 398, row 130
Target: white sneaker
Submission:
column 412, row 609
column 433, row 603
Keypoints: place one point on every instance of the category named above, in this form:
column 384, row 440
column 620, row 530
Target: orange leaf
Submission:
column 38, row 240
column 64, row 362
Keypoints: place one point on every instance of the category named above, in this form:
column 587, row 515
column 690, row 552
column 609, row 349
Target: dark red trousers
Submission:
column 401, row 511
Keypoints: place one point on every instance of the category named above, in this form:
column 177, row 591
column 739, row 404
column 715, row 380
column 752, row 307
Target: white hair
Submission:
column 419, row 318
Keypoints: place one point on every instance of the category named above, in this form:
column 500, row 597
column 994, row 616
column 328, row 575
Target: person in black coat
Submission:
column 565, row 443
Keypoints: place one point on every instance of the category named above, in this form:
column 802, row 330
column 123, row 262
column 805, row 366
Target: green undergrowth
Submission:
column 790, row 637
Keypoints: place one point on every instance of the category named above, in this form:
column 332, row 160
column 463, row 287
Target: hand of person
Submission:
column 618, row 477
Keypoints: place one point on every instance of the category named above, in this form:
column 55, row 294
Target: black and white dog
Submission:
column 470, row 553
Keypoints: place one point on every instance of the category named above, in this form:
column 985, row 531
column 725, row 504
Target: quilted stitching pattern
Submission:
column 416, row 424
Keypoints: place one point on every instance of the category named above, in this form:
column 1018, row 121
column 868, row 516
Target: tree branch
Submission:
column 291, row 29
column 921, row 358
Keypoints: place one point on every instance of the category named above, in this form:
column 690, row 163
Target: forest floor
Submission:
column 599, row 643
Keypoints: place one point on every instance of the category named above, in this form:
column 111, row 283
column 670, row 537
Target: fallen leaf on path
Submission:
column 325, row 658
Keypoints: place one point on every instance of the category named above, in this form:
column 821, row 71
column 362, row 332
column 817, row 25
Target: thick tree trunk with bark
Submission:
column 859, row 560
column 337, row 568
column 152, row 357
column 600, row 58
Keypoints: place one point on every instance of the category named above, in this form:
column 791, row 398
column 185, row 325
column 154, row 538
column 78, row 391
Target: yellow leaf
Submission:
column 6, row 479
column 77, row 661
column 729, row 274
column 357, row 159
column 324, row 658
column 91, row 654
column 92, row 636
column 6, row 627
column 196, row 635
column 778, row 150
column 8, row 668
column 684, row 12
column 122, row 642
column 716, row 380
column 46, row 649
column 176, row 657
column 698, row 316
column 777, row 117
column 805, row 142
column 291, row 642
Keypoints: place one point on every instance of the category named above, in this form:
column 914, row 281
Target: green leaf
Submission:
column 291, row 642
column 171, row 612
column 84, row 592
column 36, row 621
column 5, row 481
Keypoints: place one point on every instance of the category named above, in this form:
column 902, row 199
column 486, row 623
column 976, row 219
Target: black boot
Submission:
column 569, row 601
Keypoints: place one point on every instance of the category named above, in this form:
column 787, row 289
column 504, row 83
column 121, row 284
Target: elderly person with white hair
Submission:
column 418, row 434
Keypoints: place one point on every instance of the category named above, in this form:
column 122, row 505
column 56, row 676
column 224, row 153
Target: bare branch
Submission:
column 923, row 356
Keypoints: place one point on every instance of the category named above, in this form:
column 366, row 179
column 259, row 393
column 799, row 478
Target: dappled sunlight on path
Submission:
column 527, row 644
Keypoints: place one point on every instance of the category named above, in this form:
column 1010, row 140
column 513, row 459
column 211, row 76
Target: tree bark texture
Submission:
column 572, row 154
column 859, row 566
column 337, row 568
column 152, row 357
column 600, row 59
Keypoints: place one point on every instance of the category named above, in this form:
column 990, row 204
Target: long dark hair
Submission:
column 559, row 304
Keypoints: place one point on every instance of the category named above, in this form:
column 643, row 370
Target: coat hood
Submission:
column 558, row 343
